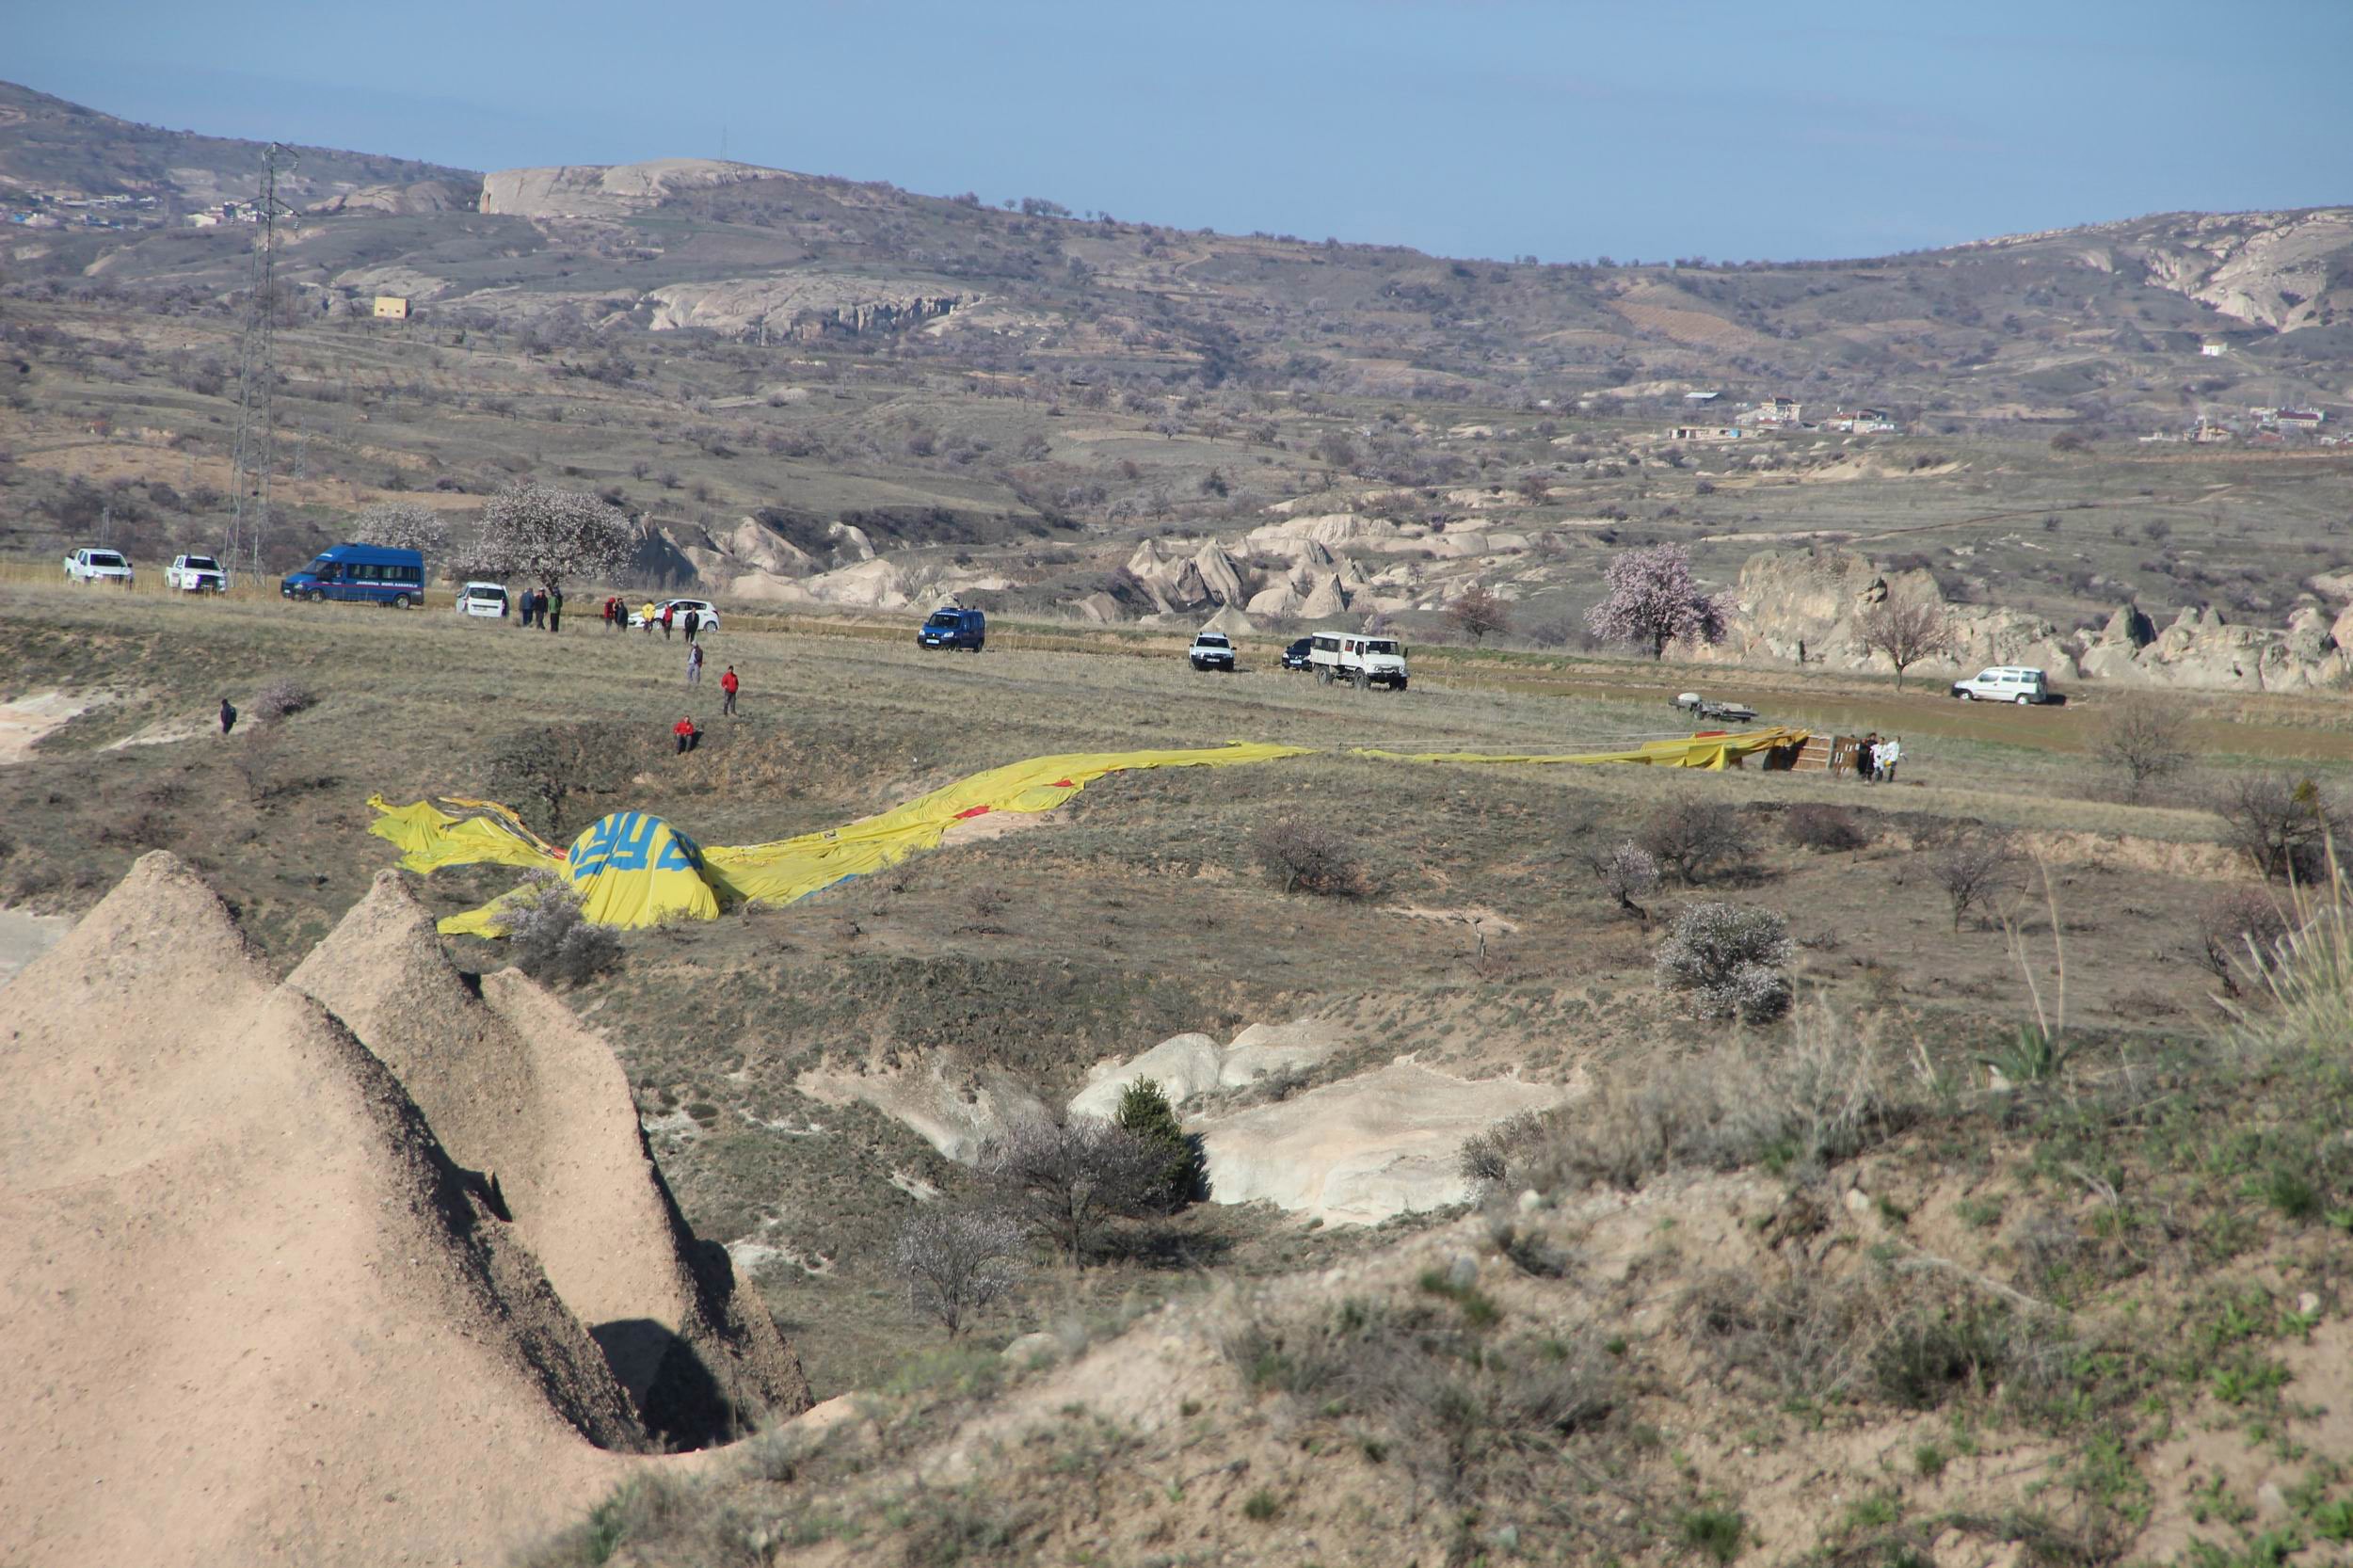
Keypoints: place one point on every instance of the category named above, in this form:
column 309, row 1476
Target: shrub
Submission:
column 1626, row 874
column 957, row 1261
column 2281, row 824
column 2144, row 739
column 1696, row 840
column 1064, row 1180
column 1144, row 1112
column 1826, row 1095
column 281, row 698
column 552, row 942
column 1491, row 1159
column 1830, row 828
column 2239, row 929
column 1457, row 1410
column 1798, row 1335
column 1728, row 960
column 1974, row 869
column 1304, row 855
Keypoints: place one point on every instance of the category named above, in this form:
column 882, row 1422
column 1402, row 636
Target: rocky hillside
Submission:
column 2073, row 324
column 53, row 149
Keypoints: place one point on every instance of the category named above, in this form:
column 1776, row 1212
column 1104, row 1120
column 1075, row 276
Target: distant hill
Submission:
column 51, row 147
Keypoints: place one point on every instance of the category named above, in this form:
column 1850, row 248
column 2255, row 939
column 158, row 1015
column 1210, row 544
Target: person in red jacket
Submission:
column 688, row 736
column 728, row 683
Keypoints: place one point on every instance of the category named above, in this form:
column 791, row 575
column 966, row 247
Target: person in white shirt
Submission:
column 1886, row 755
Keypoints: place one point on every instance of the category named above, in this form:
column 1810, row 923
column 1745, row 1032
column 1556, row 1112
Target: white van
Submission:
column 1358, row 660
column 2018, row 683
column 486, row 599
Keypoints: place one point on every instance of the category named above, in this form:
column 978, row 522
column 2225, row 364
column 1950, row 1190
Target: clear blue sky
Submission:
column 1475, row 127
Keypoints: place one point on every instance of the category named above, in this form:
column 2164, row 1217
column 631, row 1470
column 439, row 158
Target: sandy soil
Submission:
column 25, row 721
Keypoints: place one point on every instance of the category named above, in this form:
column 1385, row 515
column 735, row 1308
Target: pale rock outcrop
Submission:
column 1365, row 1149
column 609, row 191
column 1818, row 598
column 424, row 196
column 1188, row 1066
column 1232, row 620
column 955, row 1111
column 797, row 305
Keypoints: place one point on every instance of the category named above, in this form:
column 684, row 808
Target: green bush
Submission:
column 1146, row 1114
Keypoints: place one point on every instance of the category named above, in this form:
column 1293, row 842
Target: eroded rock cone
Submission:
column 517, row 1087
column 257, row 1313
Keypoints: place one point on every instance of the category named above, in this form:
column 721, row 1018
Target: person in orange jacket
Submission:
column 728, row 685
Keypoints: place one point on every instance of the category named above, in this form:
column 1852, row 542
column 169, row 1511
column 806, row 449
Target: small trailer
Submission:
column 1707, row 709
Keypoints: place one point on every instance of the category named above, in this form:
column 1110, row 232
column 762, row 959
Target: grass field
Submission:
column 1135, row 912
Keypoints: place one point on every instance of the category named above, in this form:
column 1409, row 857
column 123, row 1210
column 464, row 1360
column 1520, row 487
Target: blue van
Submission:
column 372, row 574
column 950, row 627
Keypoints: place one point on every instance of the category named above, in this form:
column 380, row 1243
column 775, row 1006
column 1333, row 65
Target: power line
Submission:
column 257, row 371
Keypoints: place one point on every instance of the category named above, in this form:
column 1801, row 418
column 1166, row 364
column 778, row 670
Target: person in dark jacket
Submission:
column 694, row 623
column 229, row 716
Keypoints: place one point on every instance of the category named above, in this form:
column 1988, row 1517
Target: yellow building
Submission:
column 391, row 306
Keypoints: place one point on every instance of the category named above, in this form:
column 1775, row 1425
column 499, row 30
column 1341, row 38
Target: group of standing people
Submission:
column 1875, row 757
column 542, row 608
column 689, row 620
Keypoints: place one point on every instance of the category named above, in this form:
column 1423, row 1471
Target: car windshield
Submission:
column 1210, row 639
column 105, row 558
column 942, row 617
column 202, row 563
column 1381, row 645
column 486, row 590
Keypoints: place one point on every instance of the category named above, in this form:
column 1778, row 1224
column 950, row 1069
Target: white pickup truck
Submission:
column 98, row 566
column 196, row 574
column 1360, row 661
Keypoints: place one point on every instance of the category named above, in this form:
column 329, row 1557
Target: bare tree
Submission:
column 957, row 1261
column 2282, row 825
column 548, row 535
column 2143, row 738
column 1974, row 869
column 1479, row 610
column 1064, row 1180
column 1907, row 630
column 401, row 525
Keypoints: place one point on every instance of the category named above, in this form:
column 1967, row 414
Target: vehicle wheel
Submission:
column 1400, row 686
column 1323, row 674
column 1966, row 697
column 2024, row 699
column 317, row 596
column 1362, row 680
column 401, row 601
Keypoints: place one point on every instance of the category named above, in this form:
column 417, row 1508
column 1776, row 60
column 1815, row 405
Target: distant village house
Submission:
column 392, row 306
column 1708, row 433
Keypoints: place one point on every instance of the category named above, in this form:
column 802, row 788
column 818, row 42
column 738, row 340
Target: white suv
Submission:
column 1212, row 650
column 98, row 566
column 2019, row 683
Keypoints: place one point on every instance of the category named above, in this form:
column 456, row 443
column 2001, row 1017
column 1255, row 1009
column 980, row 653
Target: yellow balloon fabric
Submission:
column 634, row 870
column 1713, row 752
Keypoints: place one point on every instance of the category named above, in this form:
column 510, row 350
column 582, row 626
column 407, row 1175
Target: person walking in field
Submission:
column 694, row 623
column 727, row 683
column 688, row 736
column 668, row 613
column 693, row 665
column 1864, row 757
column 1889, row 753
column 229, row 714
column 554, row 597
column 645, row 617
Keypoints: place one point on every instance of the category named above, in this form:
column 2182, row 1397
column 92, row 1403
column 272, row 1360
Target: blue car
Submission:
column 952, row 628
column 370, row 573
